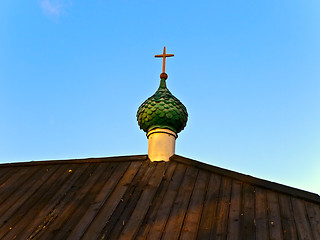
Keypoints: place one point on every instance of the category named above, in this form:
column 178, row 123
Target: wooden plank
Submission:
column 148, row 192
column 156, row 202
column 14, row 183
column 74, row 205
column 248, row 179
column 122, row 213
column 163, row 213
column 194, row 211
column 287, row 219
column 40, row 209
column 6, row 173
column 209, row 207
column 178, row 212
column 220, row 229
column 10, row 225
column 98, row 223
column 235, row 211
column 301, row 219
column 249, row 228
column 261, row 214
column 99, row 200
column 48, row 207
column 11, row 194
column 275, row 228
column 313, row 211
column 28, row 190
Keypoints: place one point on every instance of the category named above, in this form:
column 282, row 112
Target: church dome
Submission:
column 162, row 110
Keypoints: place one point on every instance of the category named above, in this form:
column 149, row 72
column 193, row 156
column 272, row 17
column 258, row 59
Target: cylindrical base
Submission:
column 161, row 144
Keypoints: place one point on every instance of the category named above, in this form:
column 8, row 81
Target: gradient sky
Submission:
column 73, row 74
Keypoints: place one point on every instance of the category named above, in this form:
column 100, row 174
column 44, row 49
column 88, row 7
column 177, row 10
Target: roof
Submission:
column 133, row 198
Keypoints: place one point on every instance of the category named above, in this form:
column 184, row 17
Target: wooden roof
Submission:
column 133, row 198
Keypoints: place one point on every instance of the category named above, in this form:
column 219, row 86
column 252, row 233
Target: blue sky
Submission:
column 73, row 74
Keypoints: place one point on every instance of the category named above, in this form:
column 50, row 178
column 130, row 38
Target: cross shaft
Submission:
column 164, row 56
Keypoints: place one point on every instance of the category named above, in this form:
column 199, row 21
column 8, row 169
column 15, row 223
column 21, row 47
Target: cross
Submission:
column 164, row 56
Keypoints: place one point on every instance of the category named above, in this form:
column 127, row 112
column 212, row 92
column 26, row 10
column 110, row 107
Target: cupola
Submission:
column 162, row 116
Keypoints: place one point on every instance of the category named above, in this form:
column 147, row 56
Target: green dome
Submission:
column 162, row 110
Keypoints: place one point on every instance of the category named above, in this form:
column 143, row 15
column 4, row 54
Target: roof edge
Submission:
column 81, row 160
column 249, row 179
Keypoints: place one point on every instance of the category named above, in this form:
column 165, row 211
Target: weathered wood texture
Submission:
column 133, row 198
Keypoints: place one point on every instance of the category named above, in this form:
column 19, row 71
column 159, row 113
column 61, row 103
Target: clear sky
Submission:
column 73, row 74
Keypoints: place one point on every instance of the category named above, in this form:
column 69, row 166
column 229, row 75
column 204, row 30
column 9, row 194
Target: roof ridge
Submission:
column 278, row 187
column 141, row 157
